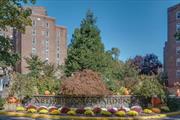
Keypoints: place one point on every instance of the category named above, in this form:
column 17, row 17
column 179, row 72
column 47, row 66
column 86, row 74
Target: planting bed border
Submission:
column 55, row 117
column 81, row 101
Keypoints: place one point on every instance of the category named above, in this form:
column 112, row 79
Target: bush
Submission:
column 80, row 110
column 31, row 107
column 122, row 109
column 43, row 111
column 165, row 109
column 106, row 113
column 42, row 108
column 97, row 110
column 89, row 113
column 2, row 102
column 54, row 112
column 173, row 104
column 112, row 110
column 132, row 113
column 31, row 110
column 147, row 111
column 156, row 110
column 149, row 87
column 137, row 109
column 120, row 113
column 71, row 112
column 20, row 108
column 52, row 109
column 65, row 110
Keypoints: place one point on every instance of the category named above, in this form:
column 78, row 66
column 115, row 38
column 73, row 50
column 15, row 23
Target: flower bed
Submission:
column 134, row 111
column 59, row 117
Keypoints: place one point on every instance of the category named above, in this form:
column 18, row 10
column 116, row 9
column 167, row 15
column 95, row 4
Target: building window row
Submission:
column 33, row 51
column 45, row 24
column 47, row 49
column 33, row 32
column 58, row 47
column 177, row 73
column 33, row 42
column 178, row 62
column 178, row 50
column 178, row 15
column 33, row 23
column 178, row 27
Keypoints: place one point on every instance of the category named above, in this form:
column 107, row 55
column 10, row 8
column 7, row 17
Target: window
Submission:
column 47, row 25
column 178, row 50
column 177, row 73
column 46, row 44
column 46, row 48
column 178, row 62
column 178, row 15
column 58, row 42
column 33, row 51
column 58, row 55
column 33, row 41
column 33, row 23
column 33, row 32
column 47, row 33
column 46, row 55
column 178, row 27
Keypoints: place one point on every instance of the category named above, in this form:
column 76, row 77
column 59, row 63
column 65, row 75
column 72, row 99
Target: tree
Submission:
column 12, row 14
column 7, row 56
column 150, row 65
column 147, row 88
column 147, row 65
column 136, row 62
column 22, row 86
column 115, row 52
column 35, row 65
column 86, row 51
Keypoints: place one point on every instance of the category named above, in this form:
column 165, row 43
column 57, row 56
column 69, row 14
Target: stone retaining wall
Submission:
column 59, row 101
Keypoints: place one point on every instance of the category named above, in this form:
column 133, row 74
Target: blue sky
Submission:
column 136, row 27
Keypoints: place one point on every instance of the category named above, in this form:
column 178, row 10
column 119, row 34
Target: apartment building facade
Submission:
column 44, row 39
column 172, row 46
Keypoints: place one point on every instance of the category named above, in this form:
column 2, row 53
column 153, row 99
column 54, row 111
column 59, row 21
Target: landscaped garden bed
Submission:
column 87, row 112
column 70, row 117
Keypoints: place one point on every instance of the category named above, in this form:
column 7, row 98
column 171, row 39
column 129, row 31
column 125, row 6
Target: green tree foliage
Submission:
column 22, row 85
column 149, row 87
column 44, row 83
column 40, row 79
column 35, row 65
column 7, row 56
column 12, row 14
column 86, row 50
column 115, row 52
column 49, row 70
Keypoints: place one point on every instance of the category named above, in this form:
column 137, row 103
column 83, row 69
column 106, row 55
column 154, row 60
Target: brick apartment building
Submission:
column 44, row 38
column 172, row 46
